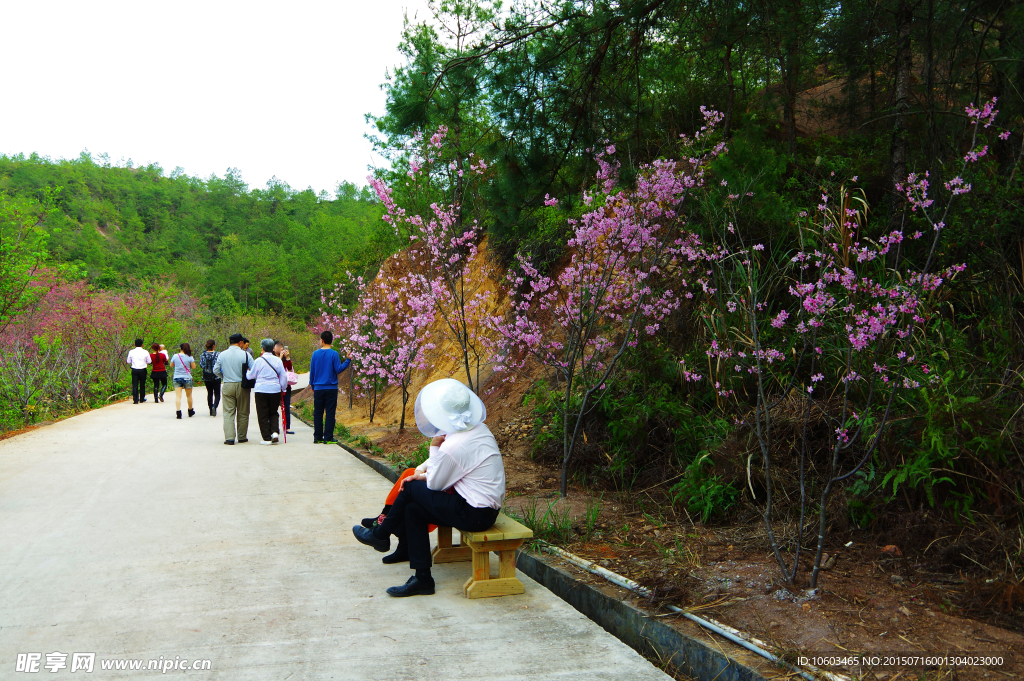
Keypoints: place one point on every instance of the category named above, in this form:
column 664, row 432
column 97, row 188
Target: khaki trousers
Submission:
column 235, row 401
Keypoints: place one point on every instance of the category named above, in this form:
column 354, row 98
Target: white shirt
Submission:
column 470, row 461
column 138, row 358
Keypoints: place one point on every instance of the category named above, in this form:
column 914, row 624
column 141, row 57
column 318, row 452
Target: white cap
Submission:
column 447, row 406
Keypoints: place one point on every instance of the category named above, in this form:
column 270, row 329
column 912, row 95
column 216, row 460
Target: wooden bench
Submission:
column 504, row 537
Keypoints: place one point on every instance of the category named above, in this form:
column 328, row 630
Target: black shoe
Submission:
column 215, row 411
column 317, row 442
column 368, row 523
column 191, row 413
column 364, row 536
column 134, row 402
column 414, row 587
column 290, row 432
column 211, row 410
column 242, row 439
column 178, row 413
column 143, row 399
column 161, row 398
column 229, row 442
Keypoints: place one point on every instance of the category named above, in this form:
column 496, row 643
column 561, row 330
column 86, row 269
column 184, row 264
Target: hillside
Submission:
column 241, row 249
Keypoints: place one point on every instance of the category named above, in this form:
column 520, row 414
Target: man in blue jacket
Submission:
column 324, row 368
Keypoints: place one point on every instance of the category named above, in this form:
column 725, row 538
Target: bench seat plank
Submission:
column 503, row 528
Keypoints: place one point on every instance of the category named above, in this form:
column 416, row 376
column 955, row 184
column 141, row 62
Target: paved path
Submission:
column 127, row 533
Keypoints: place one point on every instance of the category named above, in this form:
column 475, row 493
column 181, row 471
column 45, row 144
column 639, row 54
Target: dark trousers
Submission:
column 288, row 408
column 213, row 393
column 325, row 403
column 159, row 383
column 267, row 405
column 418, row 506
column 138, row 385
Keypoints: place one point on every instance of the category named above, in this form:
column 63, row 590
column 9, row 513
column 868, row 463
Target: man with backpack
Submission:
column 231, row 367
column 324, row 367
column 207, row 361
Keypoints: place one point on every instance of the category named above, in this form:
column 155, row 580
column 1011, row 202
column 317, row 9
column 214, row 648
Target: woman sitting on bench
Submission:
column 461, row 484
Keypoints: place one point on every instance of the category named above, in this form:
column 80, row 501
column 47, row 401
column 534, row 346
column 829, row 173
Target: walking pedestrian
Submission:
column 207, row 360
column 286, row 361
column 461, row 484
column 324, row 367
column 183, row 364
column 138, row 360
column 231, row 367
column 271, row 381
column 159, row 372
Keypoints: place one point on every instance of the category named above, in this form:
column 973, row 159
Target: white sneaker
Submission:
column 266, row 442
column 273, row 437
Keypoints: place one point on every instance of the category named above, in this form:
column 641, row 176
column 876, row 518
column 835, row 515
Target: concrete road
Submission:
column 135, row 536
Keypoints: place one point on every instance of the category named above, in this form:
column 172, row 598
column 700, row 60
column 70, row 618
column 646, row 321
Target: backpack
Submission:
column 208, row 360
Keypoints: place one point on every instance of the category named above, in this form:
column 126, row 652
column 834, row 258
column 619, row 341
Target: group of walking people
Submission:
column 158, row 359
column 229, row 376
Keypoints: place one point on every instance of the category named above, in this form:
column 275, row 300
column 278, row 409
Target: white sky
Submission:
column 271, row 88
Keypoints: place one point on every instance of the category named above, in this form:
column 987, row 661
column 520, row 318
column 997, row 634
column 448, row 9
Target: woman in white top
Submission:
column 183, row 364
column 271, row 382
column 461, row 484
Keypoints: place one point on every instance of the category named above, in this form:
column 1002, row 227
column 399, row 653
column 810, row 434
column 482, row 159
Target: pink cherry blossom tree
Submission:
column 71, row 343
column 442, row 240
column 387, row 332
column 629, row 265
column 837, row 345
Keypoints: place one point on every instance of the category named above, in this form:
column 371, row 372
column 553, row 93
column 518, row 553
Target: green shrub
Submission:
column 702, row 492
column 366, row 443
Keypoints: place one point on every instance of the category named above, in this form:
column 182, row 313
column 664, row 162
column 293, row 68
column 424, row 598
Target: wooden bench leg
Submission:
column 506, row 564
column 444, row 552
column 480, row 585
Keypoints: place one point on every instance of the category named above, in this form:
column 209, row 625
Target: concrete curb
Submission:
column 379, row 466
column 636, row 629
column 627, row 623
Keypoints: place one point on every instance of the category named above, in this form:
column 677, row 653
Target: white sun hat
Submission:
column 447, row 406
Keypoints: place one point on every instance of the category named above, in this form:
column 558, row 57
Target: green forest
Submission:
column 238, row 249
